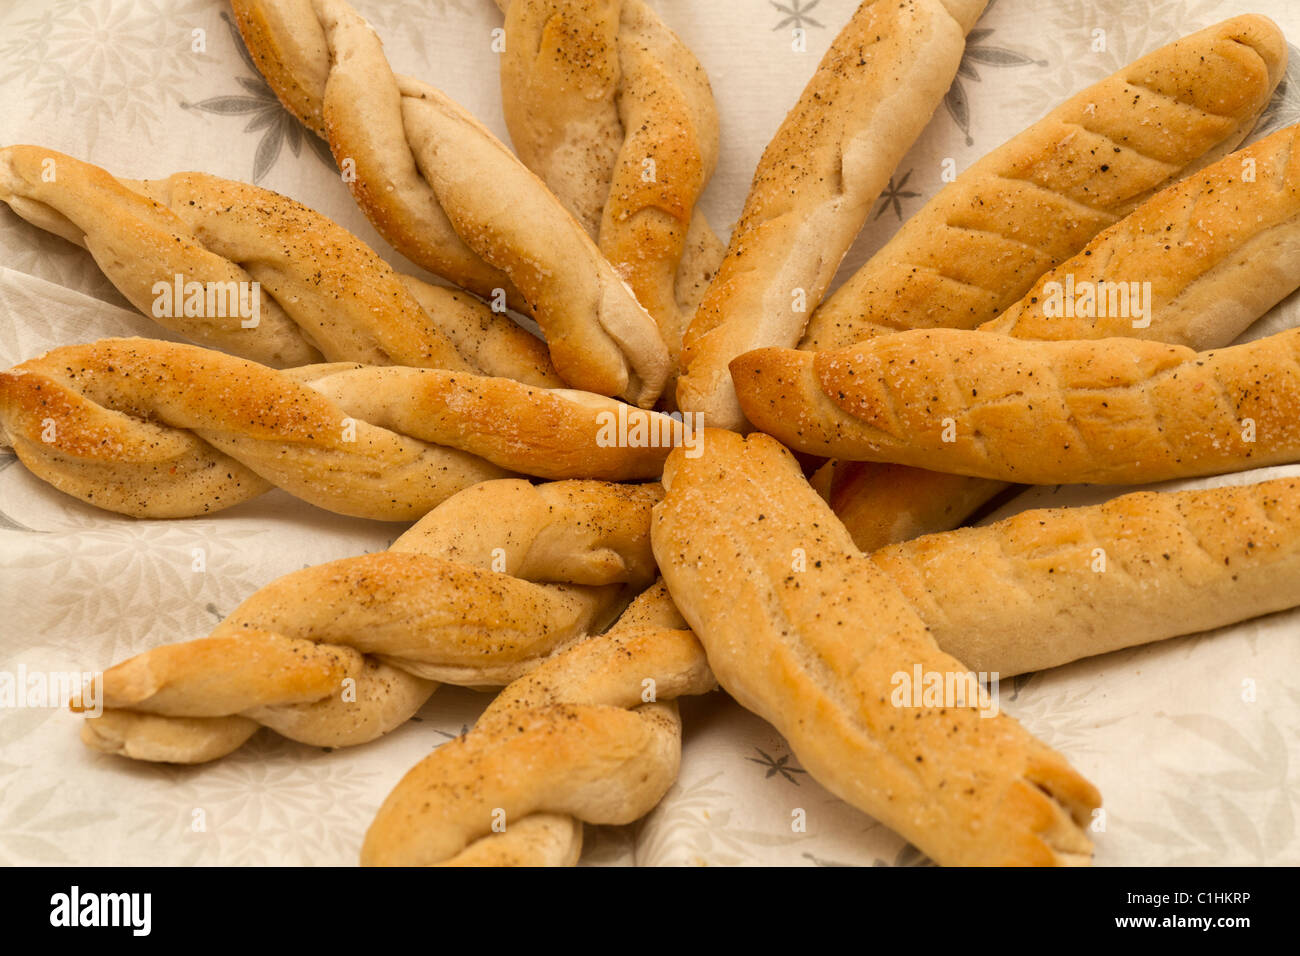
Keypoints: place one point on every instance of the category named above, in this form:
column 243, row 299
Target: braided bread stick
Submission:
column 323, row 292
column 977, row 246
column 1119, row 411
column 341, row 653
column 811, row 646
column 574, row 738
column 1052, row 585
column 1038, row 590
column 608, row 106
column 428, row 173
column 872, row 94
column 162, row 430
column 1215, row 251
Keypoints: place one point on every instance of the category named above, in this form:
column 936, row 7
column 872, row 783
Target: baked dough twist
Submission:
column 1210, row 255
column 871, row 96
column 477, row 593
column 1114, row 411
column 451, row 197
column 814, row 646
column 324, row 295
column 592, row 734
column 1052, row 585
column 608, row 106
column 162, row 430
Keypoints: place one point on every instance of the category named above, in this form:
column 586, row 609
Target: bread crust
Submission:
column 608, row 106
column 1219, row 249
column 159, row 429
column 871, row 96
column 1052, row 585
column 554, row 563
column 980, row 244
column 1114, row 411
column 574, row 740
column 813, row 650
column 447, row 194
column 324, row 295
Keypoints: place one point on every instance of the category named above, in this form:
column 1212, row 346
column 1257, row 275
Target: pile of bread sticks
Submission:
column 1062, row 312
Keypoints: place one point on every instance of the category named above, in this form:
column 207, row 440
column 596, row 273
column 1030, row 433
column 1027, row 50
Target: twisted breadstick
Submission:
column 156, row 429
column 1052, row 585
column 592, row 733
column 978, row 246
column 323, row 293
column 1112, row 411
column 608, row 106
column 1035, row 591
column 1194, row 265
column 871, row 96
column 477, row 593
column 808, row 633
column 444, row 191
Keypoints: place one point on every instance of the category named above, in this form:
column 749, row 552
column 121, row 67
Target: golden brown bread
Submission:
column 1112, row 411
column 872, row 94
column 977, row 246
column 1218, row 250
column 438, row 186
column 158, row 429
column 324, row 293
column 1051, row 585
column 608, row 106
column 288, row 43
column 808, row 633
column 340, row 653
column 1034, row 591
column 882, row 504
column 591, row 733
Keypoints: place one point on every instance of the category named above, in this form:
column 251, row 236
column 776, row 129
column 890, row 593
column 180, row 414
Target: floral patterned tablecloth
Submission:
column 1193, row 769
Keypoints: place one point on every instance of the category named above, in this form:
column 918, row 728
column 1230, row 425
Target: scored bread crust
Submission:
column 1219, row 249
column 159, row 429
column 437, row 184
column 1115, row 411
column 978, row 246
column 813, row 648
column 324, row 293
column 556, row 562
column 1052, row 585
column 870, row 97
column 983, row 240
column 591, row 734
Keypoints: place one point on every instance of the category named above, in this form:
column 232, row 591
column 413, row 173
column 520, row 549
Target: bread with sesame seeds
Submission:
column 978, row 246
column 608, row 106
column 1113, row 411
column 338, row 654
column 323, row 293
column 808, row 633
column 451, row 197
column 159, row 429
column 869, row 99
